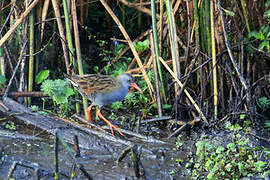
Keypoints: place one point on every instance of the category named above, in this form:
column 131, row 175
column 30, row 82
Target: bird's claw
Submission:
column 116, row 128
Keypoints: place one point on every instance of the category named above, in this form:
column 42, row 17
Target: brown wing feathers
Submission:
column 90, row 83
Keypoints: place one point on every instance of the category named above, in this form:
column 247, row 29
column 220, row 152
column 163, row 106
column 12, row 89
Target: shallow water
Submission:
column 158, row 160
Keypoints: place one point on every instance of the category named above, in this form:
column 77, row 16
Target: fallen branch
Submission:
column 25, row 94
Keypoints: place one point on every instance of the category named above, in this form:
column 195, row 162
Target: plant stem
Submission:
column 31, row 52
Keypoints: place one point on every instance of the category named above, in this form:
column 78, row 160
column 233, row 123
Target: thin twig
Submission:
column 16, row 68
column 26, row 165
column 79, row 165
column 124, row 153
column 56, row 166
column 163, row 118
column 259, row 137
column 77, row 147
column 135, row 161
column 177, row 131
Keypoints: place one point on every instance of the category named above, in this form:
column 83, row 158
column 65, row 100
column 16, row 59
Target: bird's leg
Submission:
column 89, row 112
column 109, row 123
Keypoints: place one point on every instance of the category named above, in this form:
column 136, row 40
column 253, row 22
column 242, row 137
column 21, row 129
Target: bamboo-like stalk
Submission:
column 62, row 34
column 173, row 42
column 2, row 60
column 196, row 29
column 43, row 17
column 18, row 22
column 155, row 33
column 243, row 4
column 31, row 54
column 78, row 50
column 185, row 91
column 214, row 58
column 161, row 10
column 196, row 24
column 208, row 37
column 2, row 63
column 155, row 68
column 139, row 62
column 68, row 32
column 56, row 159
column 70, row 43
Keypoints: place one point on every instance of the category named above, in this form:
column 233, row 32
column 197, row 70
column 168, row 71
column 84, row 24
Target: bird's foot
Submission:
column 114, row 127
column 109, row 123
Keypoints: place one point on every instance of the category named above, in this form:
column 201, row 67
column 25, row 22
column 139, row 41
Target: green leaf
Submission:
column 267, row 13
column 232, row 147
column 60, row 99
column 264, row 29
column 68, row 91
column 256, row 35
column 228, row 12
column 141, row 46
column 47, row 87
column 260, row 166
column 264, row 44
column 41, row 76
column 2, row 79
column 166, row 106
column 242, row 116
column 220, row 149
column 117, row 105
column 197, row 165
column 267, row 3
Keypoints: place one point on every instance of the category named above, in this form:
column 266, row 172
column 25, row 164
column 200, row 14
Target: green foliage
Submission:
column 2, row 81
column 179, row 143
column 41, row 76
column 58, row 89
column 117, row 105
column 233, row 127
column 263, row 103
column 263, row 35
column 233, row 161
column 117, row 68
column 10, row 125
column 36, row 108
column 267, row 125
column 119, row 49
column 141, row 45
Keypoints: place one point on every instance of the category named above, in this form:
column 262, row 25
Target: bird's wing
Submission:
column 91, row 83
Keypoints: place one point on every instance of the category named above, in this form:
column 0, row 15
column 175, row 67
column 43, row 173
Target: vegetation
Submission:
column 205, row 60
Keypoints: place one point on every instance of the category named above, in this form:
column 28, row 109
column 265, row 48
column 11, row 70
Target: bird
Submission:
column 102, row 90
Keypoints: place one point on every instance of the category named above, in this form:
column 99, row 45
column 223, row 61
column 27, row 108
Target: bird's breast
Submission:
column 110, row 97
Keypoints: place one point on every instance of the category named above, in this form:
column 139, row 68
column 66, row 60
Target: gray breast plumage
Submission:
column 101, row 99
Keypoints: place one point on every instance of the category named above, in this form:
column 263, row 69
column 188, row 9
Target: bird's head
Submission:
column 127, row 80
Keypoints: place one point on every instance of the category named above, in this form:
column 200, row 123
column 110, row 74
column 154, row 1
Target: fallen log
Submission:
column 87, row 139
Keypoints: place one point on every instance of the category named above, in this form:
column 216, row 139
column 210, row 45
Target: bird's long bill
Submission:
column 136, row 87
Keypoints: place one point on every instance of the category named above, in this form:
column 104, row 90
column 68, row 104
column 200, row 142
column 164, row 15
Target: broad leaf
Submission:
column 42, row 75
